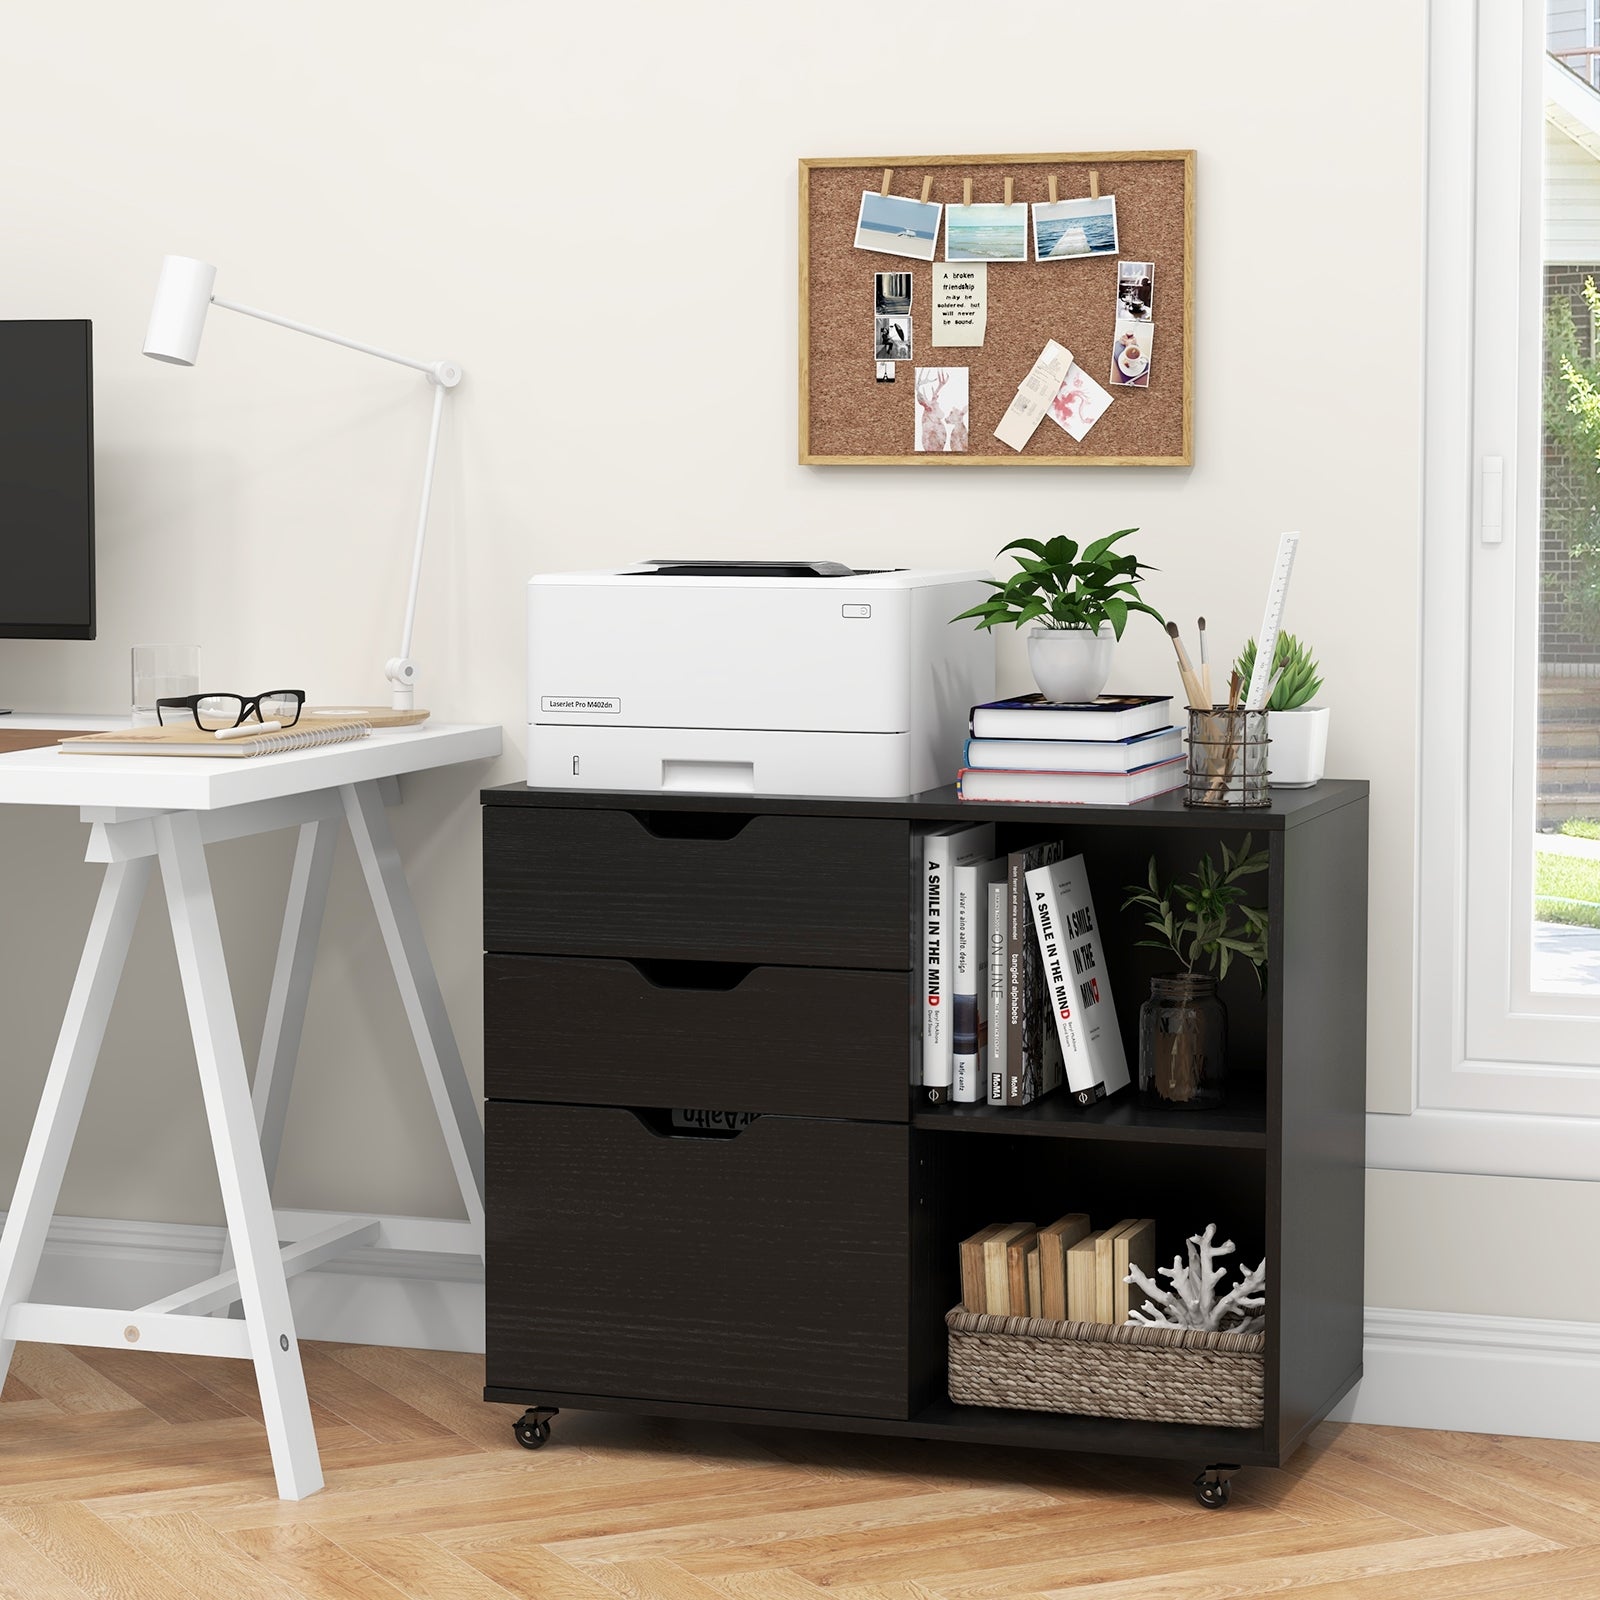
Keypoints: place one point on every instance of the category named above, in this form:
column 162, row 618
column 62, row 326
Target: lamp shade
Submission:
column 178, row 317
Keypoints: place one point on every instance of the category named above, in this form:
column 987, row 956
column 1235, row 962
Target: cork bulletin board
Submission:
column 849, row 418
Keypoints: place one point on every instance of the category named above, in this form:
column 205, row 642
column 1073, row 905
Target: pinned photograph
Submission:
column 891, row 294
column 1079, row 403
column 886, row 372
column 986, row 233
column 1136, row 284
column 894, row 226
column 893, row 338
column 941, row 394
column 1130, row 354
column 1068, row 230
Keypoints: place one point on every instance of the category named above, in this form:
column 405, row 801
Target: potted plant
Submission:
column 1203, row 922
column 1298, row 730
column 1079, row 599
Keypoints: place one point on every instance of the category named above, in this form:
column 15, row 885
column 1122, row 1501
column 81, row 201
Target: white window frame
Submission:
column 1484, row 1044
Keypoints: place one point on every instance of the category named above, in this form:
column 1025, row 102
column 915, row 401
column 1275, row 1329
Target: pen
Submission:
column 245, row 729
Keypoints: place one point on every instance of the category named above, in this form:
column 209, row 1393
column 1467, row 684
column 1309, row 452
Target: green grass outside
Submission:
column 1581, row 828
column 1559, row 881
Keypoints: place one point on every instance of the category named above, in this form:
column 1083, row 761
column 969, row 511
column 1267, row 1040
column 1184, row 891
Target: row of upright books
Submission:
column 1016, row 998
column 1065, row 1271
column 1114, row 751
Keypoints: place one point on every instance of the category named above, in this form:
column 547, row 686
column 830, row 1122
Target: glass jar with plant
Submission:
column 1204, row 923
column 1079, row 601
column 1298, row 730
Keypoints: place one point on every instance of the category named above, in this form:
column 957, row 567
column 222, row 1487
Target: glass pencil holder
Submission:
column 1227, row 759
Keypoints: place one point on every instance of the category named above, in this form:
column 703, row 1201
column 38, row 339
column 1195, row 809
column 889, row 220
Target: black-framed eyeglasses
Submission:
column 216, row 711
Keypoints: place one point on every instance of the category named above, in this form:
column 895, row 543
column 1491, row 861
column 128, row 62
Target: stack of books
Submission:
column 1113, row 751
column 1065, row 1272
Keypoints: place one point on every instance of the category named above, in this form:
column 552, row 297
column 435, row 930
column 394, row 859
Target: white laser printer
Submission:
column 752, row 677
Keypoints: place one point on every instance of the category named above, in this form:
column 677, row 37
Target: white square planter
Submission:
column 1299, row 749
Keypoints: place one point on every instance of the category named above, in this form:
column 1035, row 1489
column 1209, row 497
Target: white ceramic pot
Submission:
column 1299, row 749
column 1071, row 664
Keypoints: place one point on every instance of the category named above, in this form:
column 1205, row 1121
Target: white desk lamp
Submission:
column 178, row 318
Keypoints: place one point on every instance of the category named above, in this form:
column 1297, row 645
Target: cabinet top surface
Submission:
column 1289, row 807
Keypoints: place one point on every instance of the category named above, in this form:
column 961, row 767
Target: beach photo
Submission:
column 1136, row 285
column 897, row 227
column 1079, row 403
column 1130, row 354
column 893, row 335
column 886, row 372
column 891, row 294
column 1068, row 230
column 941, row 395
column 986, row 233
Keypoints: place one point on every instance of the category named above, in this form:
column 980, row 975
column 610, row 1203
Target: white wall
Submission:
column 576, row 202
column 1571, row 200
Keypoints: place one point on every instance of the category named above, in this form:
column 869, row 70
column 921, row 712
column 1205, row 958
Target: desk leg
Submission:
column 252, row 1232
column 55, row 1126
column 453, row 1100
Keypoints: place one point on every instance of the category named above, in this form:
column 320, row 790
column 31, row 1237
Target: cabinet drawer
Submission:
column 818, row 891
column 800, row 1041
column 767, row 1270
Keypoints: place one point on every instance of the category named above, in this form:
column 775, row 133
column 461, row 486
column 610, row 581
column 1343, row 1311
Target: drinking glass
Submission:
column 162, row 669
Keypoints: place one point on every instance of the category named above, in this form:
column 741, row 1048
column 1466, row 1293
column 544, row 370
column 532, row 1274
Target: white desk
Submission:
column 146, row 810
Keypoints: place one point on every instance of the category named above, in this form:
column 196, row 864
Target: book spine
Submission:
column 1007, row 1092
column 995, row 1048
column 1083, row 1078
column 937, row 1059
column 966, row 998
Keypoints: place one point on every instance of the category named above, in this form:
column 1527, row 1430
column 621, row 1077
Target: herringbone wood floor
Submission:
column 135, row 1476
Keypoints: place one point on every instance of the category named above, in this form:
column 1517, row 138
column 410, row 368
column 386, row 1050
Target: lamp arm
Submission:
column 401, row 669
column 445, row 372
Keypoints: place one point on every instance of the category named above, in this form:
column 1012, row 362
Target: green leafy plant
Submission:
column 1203, row 920
column 1572, row 432
column 1301, row 679
column 1058, row 585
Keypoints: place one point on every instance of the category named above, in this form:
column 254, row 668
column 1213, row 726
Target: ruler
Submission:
column 1267, row 639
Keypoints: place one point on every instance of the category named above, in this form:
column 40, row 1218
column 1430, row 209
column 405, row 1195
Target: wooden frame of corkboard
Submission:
column 848, row 419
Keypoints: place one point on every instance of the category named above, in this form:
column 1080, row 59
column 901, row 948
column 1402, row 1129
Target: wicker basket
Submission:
column 1101, row 1369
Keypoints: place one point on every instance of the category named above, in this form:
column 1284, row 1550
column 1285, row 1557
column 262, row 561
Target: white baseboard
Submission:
column 387, row 1297
column 1423, row 1369
column 1471, row 1374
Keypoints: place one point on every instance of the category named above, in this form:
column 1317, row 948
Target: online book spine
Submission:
column 943, row 853
column 995, row 1044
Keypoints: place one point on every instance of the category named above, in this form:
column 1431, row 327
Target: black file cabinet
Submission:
column 653, row 954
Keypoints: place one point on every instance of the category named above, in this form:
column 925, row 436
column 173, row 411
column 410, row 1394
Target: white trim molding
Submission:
column 1485, row 1144
column 1471, row 1374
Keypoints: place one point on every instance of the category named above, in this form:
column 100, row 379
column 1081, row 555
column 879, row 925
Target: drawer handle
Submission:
column 712, row 825
column 713, row 976
column 658, row 1123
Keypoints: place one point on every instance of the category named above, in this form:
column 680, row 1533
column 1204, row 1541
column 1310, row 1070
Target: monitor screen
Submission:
column 46, row 481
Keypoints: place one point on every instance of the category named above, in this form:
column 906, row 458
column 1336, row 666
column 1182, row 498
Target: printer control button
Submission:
column 855, row 611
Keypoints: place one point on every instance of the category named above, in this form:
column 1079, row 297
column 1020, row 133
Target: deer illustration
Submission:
column 933, row 425
column 956, row 416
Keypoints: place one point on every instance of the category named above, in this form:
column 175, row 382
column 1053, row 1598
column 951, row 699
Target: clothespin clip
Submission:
column 1008, row 191
column 1052, row 188
column 888, row 173
column 966, row 191
column 1094, row 184
column 927, row 188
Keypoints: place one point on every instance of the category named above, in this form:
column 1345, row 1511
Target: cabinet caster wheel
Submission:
column 1212, row 1488
column 532, row 1429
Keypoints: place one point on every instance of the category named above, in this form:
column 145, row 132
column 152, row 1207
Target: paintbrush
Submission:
column 1235, row 684
column 1205, row 666
column 1191, row 684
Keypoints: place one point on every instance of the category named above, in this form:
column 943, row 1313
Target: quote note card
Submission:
column 960, row 303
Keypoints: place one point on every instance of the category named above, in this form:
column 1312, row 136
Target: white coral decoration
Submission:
column 1192, row 1301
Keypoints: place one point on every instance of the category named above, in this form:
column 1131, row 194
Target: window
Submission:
column 1509, row 1010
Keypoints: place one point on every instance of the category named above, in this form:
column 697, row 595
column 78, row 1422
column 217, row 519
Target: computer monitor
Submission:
column 46, row 480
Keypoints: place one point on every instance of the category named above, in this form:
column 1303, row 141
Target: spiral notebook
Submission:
column 306, row 734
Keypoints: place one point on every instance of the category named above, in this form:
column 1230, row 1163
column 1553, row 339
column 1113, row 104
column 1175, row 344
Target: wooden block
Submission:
column 996, row 1284
column 1054, row 1242
column 1017, row 1272
column 1105, row 1268
column 1080, row 1278
column 972, row 1266
column 1136, row 1246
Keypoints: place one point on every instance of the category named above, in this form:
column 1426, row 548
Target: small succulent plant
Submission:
column 1301, row 679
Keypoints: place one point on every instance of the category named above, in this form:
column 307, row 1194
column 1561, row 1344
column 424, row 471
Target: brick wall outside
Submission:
column 1562, row 638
